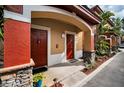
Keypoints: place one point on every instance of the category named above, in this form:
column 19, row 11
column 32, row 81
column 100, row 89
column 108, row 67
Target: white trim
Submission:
column 79, row 53
column 73, row 33
column 40, row 27
column 15, row 16
column 92, row 34
column 56, row 59
column 48, row 40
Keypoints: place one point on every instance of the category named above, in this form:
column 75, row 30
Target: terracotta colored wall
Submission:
column 57, row 28
column 92, row 43
column 86, row 44
column 16, row 43
column 88, row 41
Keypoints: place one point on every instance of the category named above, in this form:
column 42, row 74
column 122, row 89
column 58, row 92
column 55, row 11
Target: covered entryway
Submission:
column 39, row 47
column 70, row 46
column 61, row 23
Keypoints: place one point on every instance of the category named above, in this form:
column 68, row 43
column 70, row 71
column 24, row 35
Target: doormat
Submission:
column 40, row 69
column 73, row 60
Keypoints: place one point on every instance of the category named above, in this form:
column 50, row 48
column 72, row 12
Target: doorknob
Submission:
column 38, row 41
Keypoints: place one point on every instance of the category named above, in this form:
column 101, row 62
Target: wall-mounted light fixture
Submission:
column 63, row 34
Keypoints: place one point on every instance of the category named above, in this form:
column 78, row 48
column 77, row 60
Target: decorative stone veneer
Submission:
column 1, row 53
column 87, row 54
column 21, row 77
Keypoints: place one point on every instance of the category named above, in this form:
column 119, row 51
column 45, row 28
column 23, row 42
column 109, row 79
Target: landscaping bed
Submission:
column 99, row 61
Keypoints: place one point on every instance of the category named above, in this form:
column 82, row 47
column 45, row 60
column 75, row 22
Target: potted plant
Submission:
column 38, row 80
column 1, row 36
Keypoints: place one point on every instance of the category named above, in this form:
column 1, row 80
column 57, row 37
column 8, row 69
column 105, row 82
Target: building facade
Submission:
column 44, row 36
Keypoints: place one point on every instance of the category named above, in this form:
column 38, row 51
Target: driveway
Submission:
column 111, row 76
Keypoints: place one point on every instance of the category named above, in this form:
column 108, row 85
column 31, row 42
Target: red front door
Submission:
column 70, row 46
column 39, row 47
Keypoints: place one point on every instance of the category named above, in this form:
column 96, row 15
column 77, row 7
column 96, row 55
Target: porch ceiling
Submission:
column 71, row 19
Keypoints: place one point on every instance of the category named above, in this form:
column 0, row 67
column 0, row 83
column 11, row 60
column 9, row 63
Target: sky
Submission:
column 118, row 10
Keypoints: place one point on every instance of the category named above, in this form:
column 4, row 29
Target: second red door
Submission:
column 70, row 46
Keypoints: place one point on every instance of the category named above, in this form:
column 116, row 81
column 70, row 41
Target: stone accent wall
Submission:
column 19, row 78
column 87, row 54
column 1, row 53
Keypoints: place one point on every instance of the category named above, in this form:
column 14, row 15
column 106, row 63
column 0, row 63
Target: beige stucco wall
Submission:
column 79, row 39
column 57, row 28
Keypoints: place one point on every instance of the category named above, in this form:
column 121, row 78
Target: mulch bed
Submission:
column 99, row 62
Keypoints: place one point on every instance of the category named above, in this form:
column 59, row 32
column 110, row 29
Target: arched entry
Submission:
column 88, row 46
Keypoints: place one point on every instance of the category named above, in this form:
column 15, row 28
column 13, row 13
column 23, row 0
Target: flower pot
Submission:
column 39, row 83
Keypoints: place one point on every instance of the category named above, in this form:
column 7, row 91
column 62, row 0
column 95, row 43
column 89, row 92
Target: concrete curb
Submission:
column 90, row 76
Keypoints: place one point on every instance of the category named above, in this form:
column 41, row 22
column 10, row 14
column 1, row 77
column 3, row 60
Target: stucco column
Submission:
column 89, row 52
column 17, row 70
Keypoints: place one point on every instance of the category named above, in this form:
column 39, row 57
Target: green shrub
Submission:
column 102, row 47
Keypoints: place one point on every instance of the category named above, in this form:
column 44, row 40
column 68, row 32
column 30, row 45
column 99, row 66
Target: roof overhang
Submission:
column 99, row 11
column 81, row 12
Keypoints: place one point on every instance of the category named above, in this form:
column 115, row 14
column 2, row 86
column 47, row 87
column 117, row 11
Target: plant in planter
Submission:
column 1, row 36
column 105, row 16
column 102, row 47
column 89, row 67
column 89, row 64
column 38, row 80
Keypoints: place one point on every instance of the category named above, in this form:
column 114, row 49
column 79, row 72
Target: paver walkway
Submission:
column 111, row 76
column 68, row 73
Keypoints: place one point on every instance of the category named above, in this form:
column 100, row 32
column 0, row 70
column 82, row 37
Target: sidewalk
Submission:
column 67, row 73
column 70, row 74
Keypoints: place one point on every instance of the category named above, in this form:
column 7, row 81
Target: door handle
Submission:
column 38, row 41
